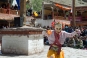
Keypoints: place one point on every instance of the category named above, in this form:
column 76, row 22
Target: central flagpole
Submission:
column 23, row 11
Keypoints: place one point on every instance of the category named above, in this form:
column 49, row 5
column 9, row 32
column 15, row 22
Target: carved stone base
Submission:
column 22, row 45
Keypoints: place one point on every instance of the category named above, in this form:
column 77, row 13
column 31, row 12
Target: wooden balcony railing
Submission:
column 59, row 17
column 9, row 11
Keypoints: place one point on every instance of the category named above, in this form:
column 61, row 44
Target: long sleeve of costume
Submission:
column 63, row 36
column 70, row 34
column 51, row 37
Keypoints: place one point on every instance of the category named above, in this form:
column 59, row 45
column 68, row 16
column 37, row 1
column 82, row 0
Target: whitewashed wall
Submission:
column 35, row 45
column 44, row 22
column 48, row 22
column 22, row 44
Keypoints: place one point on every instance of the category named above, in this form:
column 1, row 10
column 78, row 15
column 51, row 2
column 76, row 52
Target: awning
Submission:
column 62, row 7
column 7, row 16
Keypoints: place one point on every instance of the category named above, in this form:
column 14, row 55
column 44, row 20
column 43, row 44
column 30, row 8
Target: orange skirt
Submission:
column 53, row 54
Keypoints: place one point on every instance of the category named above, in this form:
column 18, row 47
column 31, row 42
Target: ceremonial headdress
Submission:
column 58, row 25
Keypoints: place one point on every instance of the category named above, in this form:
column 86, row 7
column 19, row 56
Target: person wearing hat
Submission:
column 56, row 38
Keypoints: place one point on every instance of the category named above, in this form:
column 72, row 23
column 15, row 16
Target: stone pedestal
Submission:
column 22, row 41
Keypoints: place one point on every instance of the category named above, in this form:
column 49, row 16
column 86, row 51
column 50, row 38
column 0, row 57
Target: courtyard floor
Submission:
column 68, row 52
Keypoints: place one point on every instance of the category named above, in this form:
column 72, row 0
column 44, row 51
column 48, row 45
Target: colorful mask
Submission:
column 58, row 27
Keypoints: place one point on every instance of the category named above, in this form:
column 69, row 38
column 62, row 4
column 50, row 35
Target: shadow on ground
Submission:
column 10, row 55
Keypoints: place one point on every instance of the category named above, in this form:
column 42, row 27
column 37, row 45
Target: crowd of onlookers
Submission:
column 6, row 7
column 78, row 41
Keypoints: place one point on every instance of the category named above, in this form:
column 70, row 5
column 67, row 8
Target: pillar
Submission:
column 9, row 24
column 52, row 12
column 23, row 10
column 43, row 10
column 57, row 11
column 64, row 14
column 73, row 23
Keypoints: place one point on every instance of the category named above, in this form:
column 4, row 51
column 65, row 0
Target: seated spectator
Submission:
column 66, row 28
column 16, row 7
column 84, row 32
column 85, row 42
column 44, row 27
column 66, row 42
column 4, row 27
column 71, row 42
column 12, row 7
column 78, row 43
column 8, row 8
column 30, row 12
column 3, row 5
column 46, row 42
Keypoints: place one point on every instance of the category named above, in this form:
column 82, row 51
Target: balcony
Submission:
column 8, row 14
column 6, row 11
column 79, row 18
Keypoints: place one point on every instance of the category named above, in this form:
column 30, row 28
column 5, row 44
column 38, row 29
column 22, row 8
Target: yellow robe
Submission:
column 53, row 54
